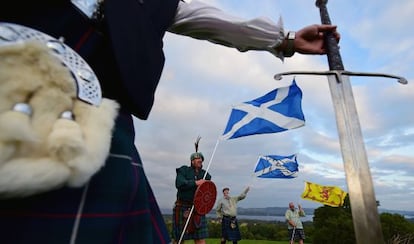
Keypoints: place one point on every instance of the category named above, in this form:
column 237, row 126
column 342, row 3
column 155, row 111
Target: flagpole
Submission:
column 254, row 173
column 186, row 224
column 304, row 189
column 299, row 201
column 211, row 159
column 192, row 207
column 253, row 178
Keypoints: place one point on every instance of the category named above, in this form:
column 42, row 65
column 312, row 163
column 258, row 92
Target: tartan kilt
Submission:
column 197, row 226
column 119, row 206
column 230, row 229
column 298, row 235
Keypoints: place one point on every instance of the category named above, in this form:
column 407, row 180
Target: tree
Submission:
column 395, row 226
column 334, row 224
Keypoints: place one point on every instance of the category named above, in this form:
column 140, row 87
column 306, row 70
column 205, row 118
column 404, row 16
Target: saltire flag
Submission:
column 328, row 195
column 277, row 111
column 274, row 166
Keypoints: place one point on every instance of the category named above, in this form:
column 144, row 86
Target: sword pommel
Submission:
column 403, row 81
column 320, row 3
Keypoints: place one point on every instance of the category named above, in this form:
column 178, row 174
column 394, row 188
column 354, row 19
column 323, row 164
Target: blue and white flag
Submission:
column 274, row 166
column 277, row 111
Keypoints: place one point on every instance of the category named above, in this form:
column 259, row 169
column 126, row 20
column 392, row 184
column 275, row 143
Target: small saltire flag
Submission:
column 277, row 111
column 274, row 166
column 328, row 195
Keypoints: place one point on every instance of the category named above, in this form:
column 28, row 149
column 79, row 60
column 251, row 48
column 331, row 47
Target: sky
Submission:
column 201, row 82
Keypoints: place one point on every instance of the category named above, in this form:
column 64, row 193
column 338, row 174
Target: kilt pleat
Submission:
column 230, row 229
column 196, row 228
column 119, row 206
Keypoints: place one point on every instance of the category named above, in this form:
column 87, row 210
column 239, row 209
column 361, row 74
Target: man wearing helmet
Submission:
column 187, row 180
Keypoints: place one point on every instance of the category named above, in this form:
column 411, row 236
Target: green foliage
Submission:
column 214, row 228
column 330, row 225
column 395, row 226
column 245, row 232
column 309, row 231
column 215, row 241
column 253, row 230
column 334, row 225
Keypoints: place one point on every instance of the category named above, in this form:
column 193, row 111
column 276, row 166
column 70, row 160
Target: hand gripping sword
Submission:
column 361, row 192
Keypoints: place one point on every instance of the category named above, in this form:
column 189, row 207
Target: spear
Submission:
column 365, row 216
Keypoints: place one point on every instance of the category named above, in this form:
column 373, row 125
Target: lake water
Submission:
column 271, row 218
column 250, row 217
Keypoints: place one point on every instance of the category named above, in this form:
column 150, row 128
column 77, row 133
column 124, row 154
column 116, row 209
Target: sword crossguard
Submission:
column 339, row 73
column 336, row 66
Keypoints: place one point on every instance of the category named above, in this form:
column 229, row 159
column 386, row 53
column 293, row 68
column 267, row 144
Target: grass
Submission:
column 216, row 241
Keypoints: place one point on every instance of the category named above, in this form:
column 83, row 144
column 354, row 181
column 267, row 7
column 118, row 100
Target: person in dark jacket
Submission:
column 122, row 42
column 188, row 224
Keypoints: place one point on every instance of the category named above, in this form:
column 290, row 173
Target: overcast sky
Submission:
column 202, row 81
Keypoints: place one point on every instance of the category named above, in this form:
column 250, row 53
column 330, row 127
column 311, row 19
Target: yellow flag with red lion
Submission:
column 328, row 195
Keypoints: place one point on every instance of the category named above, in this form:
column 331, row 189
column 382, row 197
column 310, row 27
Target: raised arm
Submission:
column 202, row 21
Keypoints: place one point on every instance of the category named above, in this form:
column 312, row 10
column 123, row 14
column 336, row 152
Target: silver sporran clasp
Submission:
column 87, row 83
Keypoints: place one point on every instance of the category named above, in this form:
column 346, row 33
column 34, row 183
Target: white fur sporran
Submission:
column 55, row 127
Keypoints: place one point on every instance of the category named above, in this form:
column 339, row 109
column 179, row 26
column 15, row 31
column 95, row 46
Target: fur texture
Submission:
column 42, row 151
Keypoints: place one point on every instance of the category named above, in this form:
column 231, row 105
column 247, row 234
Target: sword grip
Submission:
column 332, row 48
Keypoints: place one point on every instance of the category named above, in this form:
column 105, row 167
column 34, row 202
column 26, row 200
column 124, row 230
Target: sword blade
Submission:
column 367, row 225
column 361, row 191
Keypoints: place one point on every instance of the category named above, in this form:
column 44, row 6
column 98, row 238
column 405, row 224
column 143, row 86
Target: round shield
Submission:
column 205, row 197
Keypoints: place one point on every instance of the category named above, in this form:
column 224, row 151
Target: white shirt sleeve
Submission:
column 201, row 21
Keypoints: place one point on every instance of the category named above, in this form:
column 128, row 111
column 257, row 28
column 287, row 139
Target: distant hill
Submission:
column 280, row 211
column 268, row 211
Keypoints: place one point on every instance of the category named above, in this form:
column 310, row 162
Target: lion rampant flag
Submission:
column 328, row 195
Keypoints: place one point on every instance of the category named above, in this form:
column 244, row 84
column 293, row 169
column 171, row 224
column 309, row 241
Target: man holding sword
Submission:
column 295, row 226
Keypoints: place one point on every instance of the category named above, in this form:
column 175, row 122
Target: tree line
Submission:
column 330, row 225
